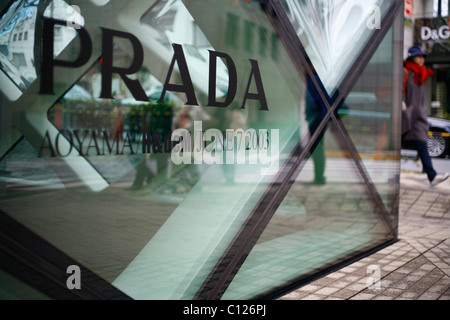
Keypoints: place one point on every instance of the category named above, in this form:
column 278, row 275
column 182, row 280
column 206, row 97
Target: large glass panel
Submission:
column 367, row 116
column 101, row 178
column 167, row 121
column 329, row 214
column 317, row 224
column 333, row 33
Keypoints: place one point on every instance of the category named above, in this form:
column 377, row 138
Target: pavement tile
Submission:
column 327, row 291
column 295, row 295
column 433, row 213
column 309, row 288
column 386, row 283
column 323, row 282
column 384, row 261
column 357, row 287
column 411, row 278
column 345, row 293
column 404, row 270
column 409, row 295
column 396, row 263
column 340, row 284
column 427, row 267
column 352, row 279
column 336, row 275
column 419, row 273
column 429, row 296
column 314, row 297
column 402, row 285
column 436, row 272
column 394, row 277
column 363, row 296
column 392, row 292
column 389, row 268
column 358, row 264
column 349, row 269
column 446, row 271
column 382, row 297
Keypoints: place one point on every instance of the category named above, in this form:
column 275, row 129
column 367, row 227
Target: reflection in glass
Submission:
column 171, row 22
column 17, row 37
column 315, row 111
column 222, row 197
column 367, row 118
column 17, row 42
column 321, row 222
column 158, row 228
column 60, row 10
column 334, row 32
column 315, row 226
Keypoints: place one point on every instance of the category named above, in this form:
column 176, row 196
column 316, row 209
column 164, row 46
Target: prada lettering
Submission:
column 107, row 70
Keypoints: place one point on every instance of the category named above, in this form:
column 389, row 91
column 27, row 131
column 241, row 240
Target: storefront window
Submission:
column 320, row 221
column 164, row 213
column 145, row 137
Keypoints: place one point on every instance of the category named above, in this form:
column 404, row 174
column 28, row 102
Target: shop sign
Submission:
column 433, row 35
column 107, row 70
column 426, row 33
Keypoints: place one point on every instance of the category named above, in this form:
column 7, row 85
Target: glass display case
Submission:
column 188, row 149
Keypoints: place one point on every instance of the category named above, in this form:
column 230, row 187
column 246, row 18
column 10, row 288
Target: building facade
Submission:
column 191, row 149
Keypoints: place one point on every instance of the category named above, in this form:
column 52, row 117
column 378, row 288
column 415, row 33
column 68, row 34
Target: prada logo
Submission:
column 107, row 70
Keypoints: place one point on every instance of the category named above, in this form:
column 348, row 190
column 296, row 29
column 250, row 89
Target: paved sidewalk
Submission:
column 417, row 267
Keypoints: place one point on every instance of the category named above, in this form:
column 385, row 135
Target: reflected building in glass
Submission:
column 173, row 149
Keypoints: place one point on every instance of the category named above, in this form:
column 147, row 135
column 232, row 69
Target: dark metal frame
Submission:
column 229, row 264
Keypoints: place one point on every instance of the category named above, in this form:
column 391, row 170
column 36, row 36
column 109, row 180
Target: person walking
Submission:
column 414, row 119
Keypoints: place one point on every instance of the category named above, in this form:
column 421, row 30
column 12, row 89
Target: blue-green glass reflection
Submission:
column 333, row 33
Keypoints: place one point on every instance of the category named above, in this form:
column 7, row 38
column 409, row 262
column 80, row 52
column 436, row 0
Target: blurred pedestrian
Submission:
column 414, row 119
